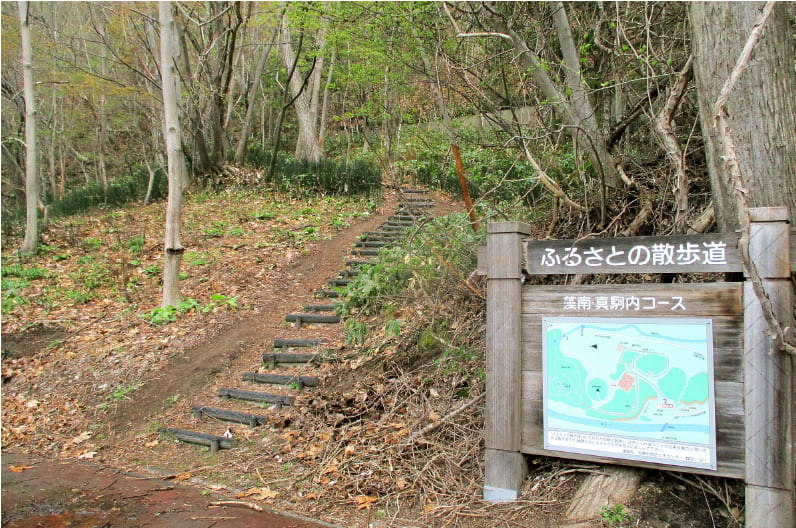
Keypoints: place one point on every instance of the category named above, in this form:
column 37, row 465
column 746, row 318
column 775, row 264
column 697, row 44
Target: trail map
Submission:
column 637, row 389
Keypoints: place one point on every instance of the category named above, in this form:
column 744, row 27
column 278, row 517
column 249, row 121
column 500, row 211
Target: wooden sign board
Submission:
column 674, row 254
column 720, row 304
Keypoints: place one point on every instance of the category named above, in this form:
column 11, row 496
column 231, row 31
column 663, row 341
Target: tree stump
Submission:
column 614, row 485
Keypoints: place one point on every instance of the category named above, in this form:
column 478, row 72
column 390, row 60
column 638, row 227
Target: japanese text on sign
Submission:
column 621, row 303
column 658, row 254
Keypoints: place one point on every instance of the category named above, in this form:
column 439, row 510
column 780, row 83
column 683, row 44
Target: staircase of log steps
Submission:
column 292, row 365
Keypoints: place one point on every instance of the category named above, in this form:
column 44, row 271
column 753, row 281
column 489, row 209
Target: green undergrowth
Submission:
column 328, row 176
column 114, row 259
column 495, row 175
column 299, row 178
column 419, row 297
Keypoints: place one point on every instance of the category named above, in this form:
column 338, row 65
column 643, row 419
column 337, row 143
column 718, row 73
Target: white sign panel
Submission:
column 630, row 388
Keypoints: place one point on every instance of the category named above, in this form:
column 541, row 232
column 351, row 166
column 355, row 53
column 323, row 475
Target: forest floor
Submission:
column 90, row 377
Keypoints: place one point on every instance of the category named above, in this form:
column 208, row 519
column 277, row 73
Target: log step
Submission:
column 387, row 228
column 349, row 273
column 397, row 223
column 412, row 205
column 409, row 199
column 301, row 319
column 273, row 359
column 281, row 379
column 371, row 244
column 365, row 252
column 339, row 283
column 373, row 235
column 252, row 420
column 299, row 343
column 404, row 218
column 326, row 294
column 414, row 191
column 321, row 307
column 238, row 394
column 212, row 441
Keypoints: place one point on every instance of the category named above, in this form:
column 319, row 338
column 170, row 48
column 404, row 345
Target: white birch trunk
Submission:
column 325, row 103
column 31, row 240
column 307, row 147
column 243, row 139
column 172, row 246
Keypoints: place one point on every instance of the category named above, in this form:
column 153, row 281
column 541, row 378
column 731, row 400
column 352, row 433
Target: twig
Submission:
column 432, row 426
column 704, row 221
column 638, row 222
column 465, row 281
column 251, row 505
column 778, row 334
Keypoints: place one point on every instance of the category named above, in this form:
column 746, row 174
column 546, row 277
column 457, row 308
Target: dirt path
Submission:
column 52, row 494
column 237, row 347
column 80, row 493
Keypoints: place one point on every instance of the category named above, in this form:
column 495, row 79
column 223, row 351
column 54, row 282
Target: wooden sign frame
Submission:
column 753, row 383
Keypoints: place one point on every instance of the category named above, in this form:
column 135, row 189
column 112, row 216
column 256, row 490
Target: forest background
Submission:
column 584, row 119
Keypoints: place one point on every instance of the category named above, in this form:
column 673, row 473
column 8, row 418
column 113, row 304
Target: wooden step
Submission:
column 349, row 273
column 281, row 379
column 326, row 294
column 272, row 359
column 410, row 199
column 299, row 343
column 371, row 244
column 403, row 218
column 381, row 235
column 212, row 441
column 252, row 420
column 414, row 191
column 301, row 319
column 356, row 263
column 339, row 283
column 238, row 394
column 412, row 205
column 365, row 252
column 320, row 307
column 397, row 223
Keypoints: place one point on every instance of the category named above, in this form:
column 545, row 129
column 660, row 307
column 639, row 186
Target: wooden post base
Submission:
column 505, row 472
column 769, row 507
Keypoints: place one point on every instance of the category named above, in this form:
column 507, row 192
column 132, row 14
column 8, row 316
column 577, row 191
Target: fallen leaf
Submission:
column 19, row 469
column 259, row 493
column 153, row 443
column 433, row 417
column 87, row 454
column 365, row 501
column 82, row 437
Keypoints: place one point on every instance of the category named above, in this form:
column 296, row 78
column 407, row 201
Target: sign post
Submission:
column 768, row 378
column 505, row 464
column 678, row 376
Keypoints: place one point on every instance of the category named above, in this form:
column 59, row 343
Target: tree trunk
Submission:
column 172, row 247
column 243, row 139
column 572, row 103
column 761, row 111
column 307, row 147
column 31, row 240
column 325, row 103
